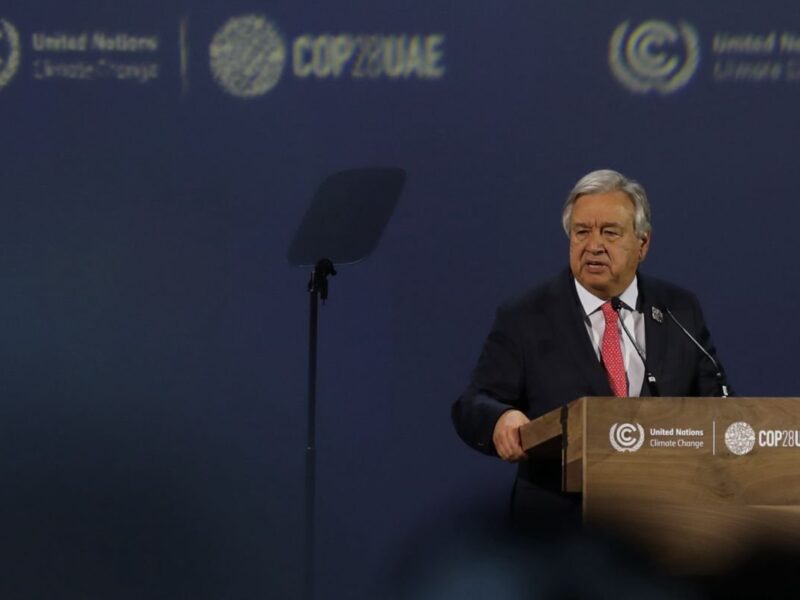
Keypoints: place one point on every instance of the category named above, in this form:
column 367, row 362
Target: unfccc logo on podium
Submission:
column 655, row 56
column 627, row 437
column 9, row 52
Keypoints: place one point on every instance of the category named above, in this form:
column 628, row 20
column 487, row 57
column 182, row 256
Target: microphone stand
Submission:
column 617, row 305
column 723, row 385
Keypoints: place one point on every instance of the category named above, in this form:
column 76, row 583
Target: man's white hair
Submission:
column 603, row 182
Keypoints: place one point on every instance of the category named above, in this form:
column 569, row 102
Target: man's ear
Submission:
column 644, row 245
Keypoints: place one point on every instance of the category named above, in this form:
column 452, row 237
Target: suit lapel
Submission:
column 655, row 332
column 568, row 318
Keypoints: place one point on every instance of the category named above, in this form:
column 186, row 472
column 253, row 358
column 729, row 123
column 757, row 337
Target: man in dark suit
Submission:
column 563, row 339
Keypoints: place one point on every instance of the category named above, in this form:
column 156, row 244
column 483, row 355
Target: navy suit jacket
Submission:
column 539, row 356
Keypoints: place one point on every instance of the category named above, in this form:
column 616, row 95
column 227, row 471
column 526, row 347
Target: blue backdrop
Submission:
column 156, row 159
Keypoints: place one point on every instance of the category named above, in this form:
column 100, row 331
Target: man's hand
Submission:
column 506, row 435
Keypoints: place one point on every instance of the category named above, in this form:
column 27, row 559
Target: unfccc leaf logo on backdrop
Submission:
column 247, row 56
column 655, row 56
column 627, row 437
column 740, row 438
column 9, row 52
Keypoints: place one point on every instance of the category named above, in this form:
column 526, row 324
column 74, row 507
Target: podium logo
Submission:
column 740, row 438
column 247, row 56
column 627, row 437
column 655, row 56
column 9, row 52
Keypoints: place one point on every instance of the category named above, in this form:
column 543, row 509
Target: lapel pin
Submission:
column 658, row 316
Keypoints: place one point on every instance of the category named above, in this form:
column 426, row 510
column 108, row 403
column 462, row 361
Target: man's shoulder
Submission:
column 541, row 295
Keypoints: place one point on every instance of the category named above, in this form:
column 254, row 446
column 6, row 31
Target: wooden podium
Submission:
column 698, row 482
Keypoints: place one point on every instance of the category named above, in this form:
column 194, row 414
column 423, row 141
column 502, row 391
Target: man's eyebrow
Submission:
column 604, row 224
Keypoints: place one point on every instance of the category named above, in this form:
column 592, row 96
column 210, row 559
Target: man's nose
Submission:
column 595, row 242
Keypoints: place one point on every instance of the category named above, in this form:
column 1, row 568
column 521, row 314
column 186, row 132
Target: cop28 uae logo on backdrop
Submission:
column 247, row 56
column 9, row 52
column 626, row 437
column 655, row 56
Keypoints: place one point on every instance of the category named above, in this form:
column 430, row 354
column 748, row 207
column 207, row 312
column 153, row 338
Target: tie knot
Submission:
column 610, row 315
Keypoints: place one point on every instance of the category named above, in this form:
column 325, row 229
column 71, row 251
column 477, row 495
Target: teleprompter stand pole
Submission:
column 347, row 215
column 317, row 289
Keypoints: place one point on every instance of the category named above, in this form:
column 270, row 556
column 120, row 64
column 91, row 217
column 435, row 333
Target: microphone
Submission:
column 723, row 385
column 617, row 305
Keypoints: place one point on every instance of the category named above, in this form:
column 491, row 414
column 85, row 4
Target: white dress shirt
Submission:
column 634, row 321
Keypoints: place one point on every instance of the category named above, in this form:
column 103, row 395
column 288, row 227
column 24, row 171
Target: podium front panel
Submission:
column 702, row 479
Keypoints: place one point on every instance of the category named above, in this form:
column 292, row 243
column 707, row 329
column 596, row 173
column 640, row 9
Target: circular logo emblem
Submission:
column 9, row 52
column 627, row 437
column 247, row 56
column 740, row 438
column 655, row 56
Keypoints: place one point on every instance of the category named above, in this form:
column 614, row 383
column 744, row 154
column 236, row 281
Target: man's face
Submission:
column 604, row 251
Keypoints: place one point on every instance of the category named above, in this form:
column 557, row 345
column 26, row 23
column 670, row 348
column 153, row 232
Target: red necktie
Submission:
column 612, row 354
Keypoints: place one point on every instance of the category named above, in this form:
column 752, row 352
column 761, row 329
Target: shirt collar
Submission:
column 591, row 303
